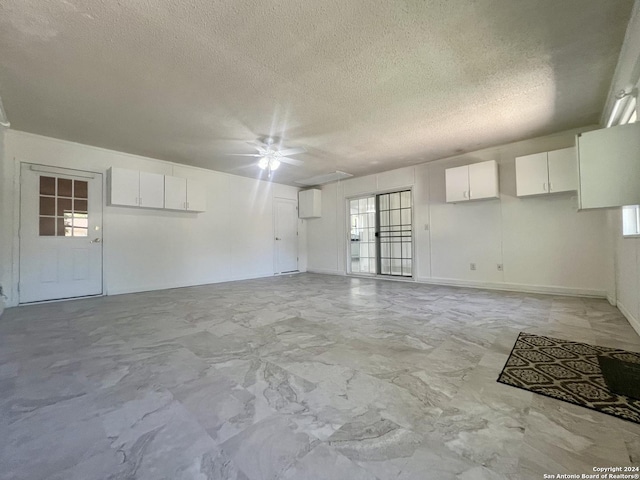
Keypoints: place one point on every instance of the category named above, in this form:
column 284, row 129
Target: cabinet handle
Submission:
column 544, row 187
column 550, row 186
column 464, row 194
column 187, row 205
column 470, row 193
column 140, row 201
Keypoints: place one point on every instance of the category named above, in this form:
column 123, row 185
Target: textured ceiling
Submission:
column 363, row 85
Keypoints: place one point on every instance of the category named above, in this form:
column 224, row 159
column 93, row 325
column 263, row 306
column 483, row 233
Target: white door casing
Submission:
column 286, row 235
column 60, row 233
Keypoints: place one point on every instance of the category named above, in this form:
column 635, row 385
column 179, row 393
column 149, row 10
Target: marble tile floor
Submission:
column 297, row 377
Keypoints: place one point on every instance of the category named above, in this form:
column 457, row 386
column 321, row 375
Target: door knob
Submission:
column 96, row 240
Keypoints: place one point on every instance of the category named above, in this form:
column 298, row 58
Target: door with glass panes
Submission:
column 60, row 233
column 381, row 234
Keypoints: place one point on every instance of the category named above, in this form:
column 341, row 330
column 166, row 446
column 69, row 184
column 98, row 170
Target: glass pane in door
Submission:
column 362, row 242
column 63, row 207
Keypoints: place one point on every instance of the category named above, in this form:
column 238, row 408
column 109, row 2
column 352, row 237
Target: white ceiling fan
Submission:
column 271, row 155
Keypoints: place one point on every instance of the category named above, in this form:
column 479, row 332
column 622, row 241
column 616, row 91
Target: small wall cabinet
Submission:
column 472, row 182
column 184, row 194
column 609, row 167
column 547, row 172
column 131, row 188
column 309, row 203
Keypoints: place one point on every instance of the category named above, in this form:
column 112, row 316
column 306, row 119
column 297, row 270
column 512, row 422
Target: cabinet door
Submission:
column 483, row 180
column 309, row 203
column 457, row 184
column 563, row 170
column 196, row 196
column 175, row 193
column 609, row 166
column 124, row 187
column 151, row 190
column 532, row 174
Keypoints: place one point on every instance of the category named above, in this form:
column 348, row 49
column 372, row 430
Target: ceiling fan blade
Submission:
column 291, row 161
column 245, row 154
column 291, row 151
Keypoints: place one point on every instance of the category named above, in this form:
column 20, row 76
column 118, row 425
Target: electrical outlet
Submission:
column 472, row 266
column 500, row 268
column 1, row 291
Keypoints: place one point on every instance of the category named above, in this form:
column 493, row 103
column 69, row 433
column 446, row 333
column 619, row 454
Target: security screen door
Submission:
column 381, row 235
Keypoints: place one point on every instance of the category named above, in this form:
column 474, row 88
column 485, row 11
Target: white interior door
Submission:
column 60, row 233
column 286, row 238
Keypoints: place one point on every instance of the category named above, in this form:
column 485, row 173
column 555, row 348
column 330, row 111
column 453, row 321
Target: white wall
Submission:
column 544, row 244
column 155, row 249
column 626, row 257
column 624, row 253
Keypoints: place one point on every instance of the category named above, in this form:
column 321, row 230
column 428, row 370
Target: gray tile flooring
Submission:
column 297, row 377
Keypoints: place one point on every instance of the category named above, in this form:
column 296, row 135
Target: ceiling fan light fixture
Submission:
column 274, row 164
column 263, row 163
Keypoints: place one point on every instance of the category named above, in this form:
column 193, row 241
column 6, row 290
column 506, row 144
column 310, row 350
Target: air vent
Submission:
column 324, row 178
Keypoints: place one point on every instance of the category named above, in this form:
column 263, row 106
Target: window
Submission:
column 63, row 207
column 631, row 220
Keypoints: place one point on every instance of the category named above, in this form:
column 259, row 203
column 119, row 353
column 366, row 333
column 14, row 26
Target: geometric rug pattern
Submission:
column 568, row 371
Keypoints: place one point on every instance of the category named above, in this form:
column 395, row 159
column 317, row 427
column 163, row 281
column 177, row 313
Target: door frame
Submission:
column 275, row 231
column 347, row 237
column 17, row 221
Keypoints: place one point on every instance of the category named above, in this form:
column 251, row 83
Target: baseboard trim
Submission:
column 630, row 318
column 325, row 271
column 508, row 287
column 153, row 288
column 611, row 300
column 517, row 287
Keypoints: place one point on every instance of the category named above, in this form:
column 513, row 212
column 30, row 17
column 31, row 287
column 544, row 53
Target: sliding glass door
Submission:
column 362, row 241
column 381, row 235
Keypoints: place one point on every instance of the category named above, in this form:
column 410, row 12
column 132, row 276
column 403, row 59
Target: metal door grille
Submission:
column 395, row 234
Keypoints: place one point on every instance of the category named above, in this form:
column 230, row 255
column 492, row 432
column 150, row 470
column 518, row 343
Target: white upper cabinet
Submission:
column 472, row 182
column 131, row 188
column 609, row 167
column 123, row 187
column 532, row 174
column 175, row 193
column 196, row 196
column 309, row 203
column 547, row 172
column 457, row 183
column 483, row 180
column 184, row 194
column 151, row 190
column 563, row 170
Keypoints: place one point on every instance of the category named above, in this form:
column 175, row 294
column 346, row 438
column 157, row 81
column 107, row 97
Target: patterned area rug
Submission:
column 568, row 371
